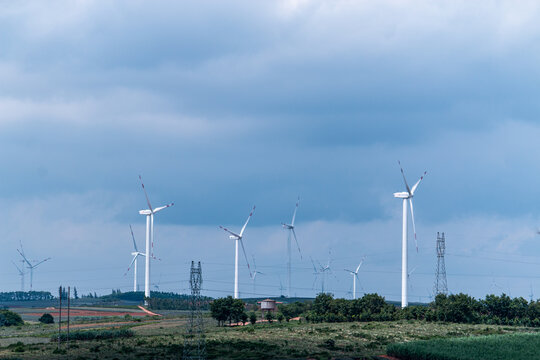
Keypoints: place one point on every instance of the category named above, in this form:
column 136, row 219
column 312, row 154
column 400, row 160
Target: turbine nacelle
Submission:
column 145, row 212
column 287, row 226
column 402, row 195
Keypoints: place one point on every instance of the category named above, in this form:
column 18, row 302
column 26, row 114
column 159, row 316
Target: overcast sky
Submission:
column 224, row 105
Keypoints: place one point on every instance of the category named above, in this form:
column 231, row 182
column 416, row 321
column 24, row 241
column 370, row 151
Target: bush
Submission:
column 269, row 316
column 96, row 334
column 9, row 318
column 252, row 318
column 46, row 319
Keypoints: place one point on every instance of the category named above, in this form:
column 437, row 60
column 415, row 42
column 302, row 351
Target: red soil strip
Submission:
column 148, row 311
column 76, row 312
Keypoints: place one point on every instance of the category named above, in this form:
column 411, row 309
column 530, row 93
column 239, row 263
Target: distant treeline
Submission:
column 459, row 308
column 25, row 296
column 179, row 302
column 158, row 300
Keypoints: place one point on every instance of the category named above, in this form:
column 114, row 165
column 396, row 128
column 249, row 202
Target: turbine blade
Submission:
column 294, row 214
column 404, row 180
column 359, row 265
column 418, row 182
column 20, row 271
column 24, row 257
column 229, row 231
column 42, row 261
column 145, row 194
column 249, row 217
column 162, row 207
column 313, row 263
column 131, row 263
column 414, row 227
column 133, row 237
column 298, row 246
column 410, row 272
column 245, row 256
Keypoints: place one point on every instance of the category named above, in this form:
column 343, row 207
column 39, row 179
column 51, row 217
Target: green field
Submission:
column 492, row 347
column 163, row 338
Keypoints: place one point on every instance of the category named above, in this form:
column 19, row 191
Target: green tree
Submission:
column 46, row 319
column 252, row 318
column 269, row 316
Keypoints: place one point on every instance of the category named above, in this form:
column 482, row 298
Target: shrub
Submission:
column 46, row 319
column 96, row 334
column 252, row 318
column 9, row 318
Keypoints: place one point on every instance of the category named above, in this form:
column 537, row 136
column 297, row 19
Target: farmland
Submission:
column 162, row 337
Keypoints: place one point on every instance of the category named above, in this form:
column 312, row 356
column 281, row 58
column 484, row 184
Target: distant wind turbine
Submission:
column 149, row 213
column 135, row 254
column 355, row 276
column 238, row 239
column 255, row 272
column 290, row 228
column 21, row 273
column 406, row 195
column 32, row 266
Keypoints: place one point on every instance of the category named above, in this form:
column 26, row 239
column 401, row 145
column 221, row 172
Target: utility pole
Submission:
column 194, row 340
column 440, row 278
column 59, row 314
column 68, row 316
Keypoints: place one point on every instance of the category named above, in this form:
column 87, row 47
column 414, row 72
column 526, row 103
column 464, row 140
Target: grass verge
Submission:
column 524, row 346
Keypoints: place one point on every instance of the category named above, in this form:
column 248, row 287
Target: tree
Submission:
column 9, row 318
column 280, row 317
column 244, row 318
column 227, row 309
column 75, row 294
column 46, row 319
column 252, row 318
column 269, row 316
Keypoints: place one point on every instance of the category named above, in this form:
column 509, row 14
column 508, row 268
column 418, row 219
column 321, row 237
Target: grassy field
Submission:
column 163, row 339
column 492, row 347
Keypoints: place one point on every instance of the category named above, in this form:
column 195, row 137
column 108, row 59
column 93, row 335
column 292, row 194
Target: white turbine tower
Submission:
column 149, row 213
column 406, row 195
column 32, row 266
column 290, row 227
column 355, row 276
column 238, row 239
column 135, row 254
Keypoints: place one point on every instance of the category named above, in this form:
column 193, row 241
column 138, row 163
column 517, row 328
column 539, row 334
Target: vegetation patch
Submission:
column 522, row 346
column 96, row 334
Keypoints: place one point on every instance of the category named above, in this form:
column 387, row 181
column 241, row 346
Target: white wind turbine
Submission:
column 238, row 239
column 149, row 237
column 135, row 254
column 322, row 270
column 21, row 273
column 406, row 195
column 355, row 276
column 32, row 266
column 290, row 227
column 255, row 272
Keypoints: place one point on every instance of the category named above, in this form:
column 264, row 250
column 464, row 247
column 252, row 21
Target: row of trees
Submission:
column 25, row 296
column 458, row 308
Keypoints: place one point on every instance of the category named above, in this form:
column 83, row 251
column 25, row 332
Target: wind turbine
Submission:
column 238, row 239
column 149, row 237
column 21, row 273
column 355, row 276
column 322, row 270
column 255, row 272
column 406, row 195
column 135, row 254
column 32, row 266
column 290, row 227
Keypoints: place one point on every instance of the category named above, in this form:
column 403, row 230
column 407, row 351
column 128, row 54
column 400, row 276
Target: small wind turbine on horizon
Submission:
column 406, row 195
column 31, row 266
column 238, row 239
column 255, row 272
column 21, row 273
column 290, row 228
column 135, row 254
column 149, row 213
column 322, row 271
column 355, row 276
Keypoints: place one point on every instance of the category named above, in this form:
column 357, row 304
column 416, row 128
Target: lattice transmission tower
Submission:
column 194, row 340
column 440, row 279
